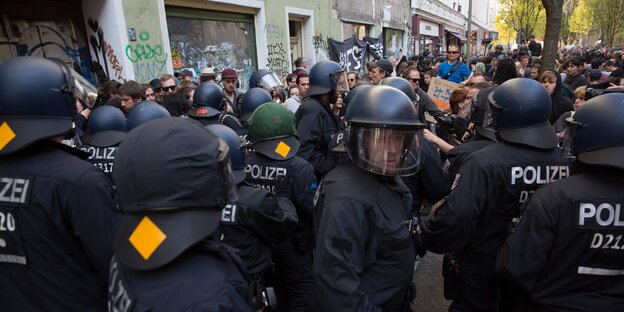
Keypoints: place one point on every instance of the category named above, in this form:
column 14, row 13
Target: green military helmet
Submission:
column 272, row 131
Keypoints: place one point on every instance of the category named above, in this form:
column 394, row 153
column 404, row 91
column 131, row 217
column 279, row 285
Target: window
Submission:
column 203, row 38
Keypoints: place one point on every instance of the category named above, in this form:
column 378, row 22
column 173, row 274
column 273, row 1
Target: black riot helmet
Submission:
column 519, row 110
column 210, row 98
column 252, row 99
column 38, row 101
column 326, row 76
column 107, row 126
column 595, row 133
column 175, row 177
column 384, row 132
column 237, row 157
column 264, row 78
column 478, row 107
column 146, row 111
column 403, row 85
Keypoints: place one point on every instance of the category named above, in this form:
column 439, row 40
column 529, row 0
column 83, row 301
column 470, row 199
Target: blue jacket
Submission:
column 462, row 73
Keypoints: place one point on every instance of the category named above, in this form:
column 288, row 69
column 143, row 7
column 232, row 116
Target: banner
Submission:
column 440, row 91
column 353, row 53
column 350, row 54
column 375, row 46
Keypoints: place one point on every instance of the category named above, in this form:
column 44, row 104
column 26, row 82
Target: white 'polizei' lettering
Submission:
column 602, row 215
column 100, row 153
column 538, row 175
column 13, row 190
column 228, row 214
column 265, row 172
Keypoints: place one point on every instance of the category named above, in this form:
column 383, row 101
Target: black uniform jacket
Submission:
column 253, row 222
column 57, row 224
column 208, row 277
column 315, row 126
column 263, row 172
column 567, row 253
column 364, row 253
column 486, row 196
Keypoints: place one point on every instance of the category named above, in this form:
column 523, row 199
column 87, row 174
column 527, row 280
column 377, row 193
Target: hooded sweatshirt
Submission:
column 560, row 103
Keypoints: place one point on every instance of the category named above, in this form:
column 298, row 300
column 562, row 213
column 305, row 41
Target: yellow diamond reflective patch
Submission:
column 147, row 237
column 282, row 149
column 6, row 135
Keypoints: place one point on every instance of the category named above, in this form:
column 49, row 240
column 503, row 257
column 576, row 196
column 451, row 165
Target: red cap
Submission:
column 228, row 73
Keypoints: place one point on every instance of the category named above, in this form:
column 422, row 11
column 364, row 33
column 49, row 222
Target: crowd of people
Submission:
column 316, row 193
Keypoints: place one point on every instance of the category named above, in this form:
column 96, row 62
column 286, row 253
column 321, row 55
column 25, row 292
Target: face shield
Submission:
column 226, row 172
column 491, row 112
column 569, row 137
column 385, row 151
column 270, row 81
column 83, row 90
column 339, row 81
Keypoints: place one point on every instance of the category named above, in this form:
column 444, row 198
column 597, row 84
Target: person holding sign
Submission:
column 452, row 69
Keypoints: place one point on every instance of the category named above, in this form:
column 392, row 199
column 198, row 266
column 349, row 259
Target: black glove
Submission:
column 282, row 187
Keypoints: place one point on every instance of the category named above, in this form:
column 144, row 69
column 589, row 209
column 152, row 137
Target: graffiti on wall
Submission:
column 148, row 60
column 277, row 59
column 274, row 32
column 320, row 46
column 101, row 48
column 50, row 39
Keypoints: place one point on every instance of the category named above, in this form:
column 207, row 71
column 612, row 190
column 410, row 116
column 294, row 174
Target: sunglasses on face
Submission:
column 414, row 80
column 169, row 88
column 453, row 52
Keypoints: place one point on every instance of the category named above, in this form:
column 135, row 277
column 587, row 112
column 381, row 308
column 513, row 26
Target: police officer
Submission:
column 107, row 128
column 252, row 99
column 173, row 179
column 315, row 121
column 145, row 111
column 255, row 221
column 209, row 107
column 274, row 139
column 480, row 138
column 364, row 252
column 566, row 254
column 57, row 211
column 430, row 184
column 492, row 183
column 267, row 80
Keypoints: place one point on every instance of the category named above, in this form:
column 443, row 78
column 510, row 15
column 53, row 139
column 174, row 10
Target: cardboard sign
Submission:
column 440, row 91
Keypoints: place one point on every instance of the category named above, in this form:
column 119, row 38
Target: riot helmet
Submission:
column 145, row 111
column 208, row 101
column 384, row 132
column 174, row 178
column 272, row 131
column 38, row 101
column 326, row 76
column 253, row 98
column 478, row 107
column 403, row 85
column 107, row 126
column 595, row 132
column 519, row 110
column 264, row 78
column 237, row 156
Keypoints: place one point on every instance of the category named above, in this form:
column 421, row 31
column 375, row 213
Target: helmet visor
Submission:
column 569, row 136
column 339, row 81
column 385, row 151
column 491, row 113
column 83, row 90
column 269, row 81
